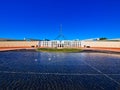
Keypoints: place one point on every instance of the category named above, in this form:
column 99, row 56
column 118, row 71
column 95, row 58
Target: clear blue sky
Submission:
column 41, row 19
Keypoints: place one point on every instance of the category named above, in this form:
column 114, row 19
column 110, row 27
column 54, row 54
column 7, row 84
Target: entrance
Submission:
column 60, row 44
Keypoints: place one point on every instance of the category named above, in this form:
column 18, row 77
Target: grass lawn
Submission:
column 59, row 50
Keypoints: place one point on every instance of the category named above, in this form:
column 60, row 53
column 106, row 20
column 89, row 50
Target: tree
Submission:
column 103, row 38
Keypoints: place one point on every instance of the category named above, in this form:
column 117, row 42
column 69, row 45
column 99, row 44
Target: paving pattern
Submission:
column 30, row 70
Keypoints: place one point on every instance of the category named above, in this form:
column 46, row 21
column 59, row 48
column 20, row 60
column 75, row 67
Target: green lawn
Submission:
column 59, row 50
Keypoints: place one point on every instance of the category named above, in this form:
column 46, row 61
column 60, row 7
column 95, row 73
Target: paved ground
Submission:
column 106, row 49
column 14, row 48
column 94, row 48
column 27, row 70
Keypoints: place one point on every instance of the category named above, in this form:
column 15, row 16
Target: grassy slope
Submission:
column 59, row 50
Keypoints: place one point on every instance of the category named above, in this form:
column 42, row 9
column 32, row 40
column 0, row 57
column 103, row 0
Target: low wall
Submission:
column 18, row 44
column 104, row 44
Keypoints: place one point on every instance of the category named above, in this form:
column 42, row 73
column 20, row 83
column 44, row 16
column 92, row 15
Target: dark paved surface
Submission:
column 29, row 70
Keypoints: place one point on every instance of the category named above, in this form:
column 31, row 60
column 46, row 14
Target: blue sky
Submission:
column 80, row 19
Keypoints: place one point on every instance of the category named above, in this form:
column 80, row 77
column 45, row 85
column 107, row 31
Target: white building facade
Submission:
column 60, row 44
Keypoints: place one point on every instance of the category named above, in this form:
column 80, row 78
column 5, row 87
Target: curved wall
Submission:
column 18, row 43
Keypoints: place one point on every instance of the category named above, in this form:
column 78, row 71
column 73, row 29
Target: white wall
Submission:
column 109, row 44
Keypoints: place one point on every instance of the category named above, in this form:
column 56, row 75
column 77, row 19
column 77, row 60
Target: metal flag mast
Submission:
column 60, row 36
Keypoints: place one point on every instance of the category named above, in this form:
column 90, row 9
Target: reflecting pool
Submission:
column 30, row 70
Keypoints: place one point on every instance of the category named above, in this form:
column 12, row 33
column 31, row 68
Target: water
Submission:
column 30, row 70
